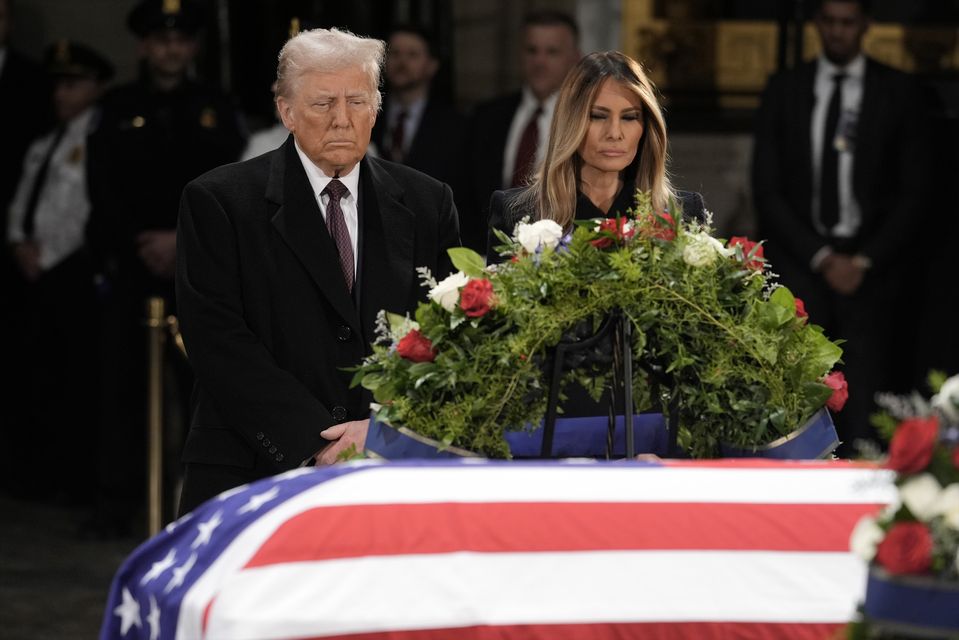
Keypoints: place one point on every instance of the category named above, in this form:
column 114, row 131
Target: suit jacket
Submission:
column 268, row 322
column 889, row 168
column 489, row 128
column 504, row 215
column 437, row 145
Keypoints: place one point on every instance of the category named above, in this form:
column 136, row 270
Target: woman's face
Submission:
column 615, row 128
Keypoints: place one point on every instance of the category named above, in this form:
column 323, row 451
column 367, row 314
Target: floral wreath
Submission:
column 739, row 351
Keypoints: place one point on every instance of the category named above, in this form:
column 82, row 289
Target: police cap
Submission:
column 66, row 58
column 149, row 16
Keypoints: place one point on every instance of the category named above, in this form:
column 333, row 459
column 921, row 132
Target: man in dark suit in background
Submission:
column 839, row 186
column 507, row 132
column 415, row 128
column 284, row 262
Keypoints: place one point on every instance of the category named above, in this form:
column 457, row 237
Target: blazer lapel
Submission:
column 299, row 222
column 387, row 235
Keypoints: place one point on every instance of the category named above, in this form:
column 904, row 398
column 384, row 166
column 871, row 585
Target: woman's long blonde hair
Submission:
column 552, row 190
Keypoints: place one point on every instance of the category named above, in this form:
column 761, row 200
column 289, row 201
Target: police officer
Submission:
column 53, row 296
column 156, row 134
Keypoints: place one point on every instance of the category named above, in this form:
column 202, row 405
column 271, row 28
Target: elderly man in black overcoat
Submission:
column 283, row 262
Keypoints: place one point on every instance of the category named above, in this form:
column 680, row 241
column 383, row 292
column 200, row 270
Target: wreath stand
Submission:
column 617, row 327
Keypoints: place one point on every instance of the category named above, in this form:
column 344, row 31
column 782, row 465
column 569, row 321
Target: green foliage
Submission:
column 746, row 368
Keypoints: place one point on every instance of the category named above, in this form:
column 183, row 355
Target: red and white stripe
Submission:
column 754, row 550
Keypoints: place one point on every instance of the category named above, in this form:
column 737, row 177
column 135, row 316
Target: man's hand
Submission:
column 27, row 256
column 842, row 273
column 342, row 436
column 157, row 250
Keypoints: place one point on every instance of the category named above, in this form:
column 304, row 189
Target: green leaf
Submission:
column 784, row 298
column 822, row 354
column 396, row 322
column 372, row 381
column 936, row 379
column 468, row 261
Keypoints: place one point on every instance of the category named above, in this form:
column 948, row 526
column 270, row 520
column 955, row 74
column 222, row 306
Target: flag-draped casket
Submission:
column 481, row 550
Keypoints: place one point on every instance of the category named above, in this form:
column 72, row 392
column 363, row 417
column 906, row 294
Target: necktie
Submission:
column 396, row 140
column 526, row 152
column 336, row 224
column 30, row 214
column 829, row 176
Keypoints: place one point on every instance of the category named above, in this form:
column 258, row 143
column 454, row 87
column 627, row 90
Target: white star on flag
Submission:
column 153, row 619
column 179, row 574
column 205, row 529
column 259, row 500
column 129, row 612
column 292, row 473
column 232, row 492
column 159, row 567
column 176, row 523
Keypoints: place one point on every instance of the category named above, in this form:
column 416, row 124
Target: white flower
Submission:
column 542, row 232
column 447, row 292
column 947, row 505
column 703, row 249
column 920, row 495
column 865, row 537
column 947, row 400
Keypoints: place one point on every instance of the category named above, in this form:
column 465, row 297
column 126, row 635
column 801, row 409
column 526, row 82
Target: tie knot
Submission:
column 838, row 78
column 336, row 190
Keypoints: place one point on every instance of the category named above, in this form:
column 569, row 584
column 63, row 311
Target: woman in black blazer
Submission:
column 607, row 139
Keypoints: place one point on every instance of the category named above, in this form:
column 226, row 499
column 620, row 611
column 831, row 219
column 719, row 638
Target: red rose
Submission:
column 476, row 297
column 907, row 548
column 955, row 457
column 618, row 230
column 756, row 262
column 661, row 227
column 840, row 391
column 911, row 447
column 801, row 309
column 416, row 347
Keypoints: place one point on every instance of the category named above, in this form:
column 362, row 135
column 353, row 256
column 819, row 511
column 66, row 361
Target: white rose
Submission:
column 447, row 292
column 703, row 249
column 865, row 537
column 947, row 505
column 542, row 232
column 920, row 495
column 947, row 400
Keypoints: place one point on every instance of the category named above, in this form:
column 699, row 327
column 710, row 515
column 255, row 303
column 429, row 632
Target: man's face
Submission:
column 71, row 95
column 549, row 52
column 331, row 115
column 841, row 27
column 409, row 64
column 168, row 53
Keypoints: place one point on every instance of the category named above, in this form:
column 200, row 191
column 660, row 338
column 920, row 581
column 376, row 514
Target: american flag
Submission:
column 482, row 550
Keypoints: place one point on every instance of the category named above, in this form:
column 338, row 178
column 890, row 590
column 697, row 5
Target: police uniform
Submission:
column 54, row 311
column 148, row 145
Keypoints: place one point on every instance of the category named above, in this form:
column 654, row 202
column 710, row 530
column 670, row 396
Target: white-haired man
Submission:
column 283, row 262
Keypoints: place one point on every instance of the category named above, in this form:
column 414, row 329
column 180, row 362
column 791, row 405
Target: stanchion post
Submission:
column 156, row 335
